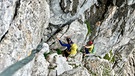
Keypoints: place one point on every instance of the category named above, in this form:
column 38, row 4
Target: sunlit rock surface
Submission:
column 21, row 28
column 110, row 24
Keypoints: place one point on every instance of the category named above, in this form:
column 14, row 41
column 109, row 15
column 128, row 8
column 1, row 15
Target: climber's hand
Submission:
column 84, row 45
column 58, row 38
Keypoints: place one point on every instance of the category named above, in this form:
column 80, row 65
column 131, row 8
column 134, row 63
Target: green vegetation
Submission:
column 59, row 51
column 88, row 27
column 81, row 50
column 106, row 57
column 113, row 59
column 109, row 56
column 46, row 54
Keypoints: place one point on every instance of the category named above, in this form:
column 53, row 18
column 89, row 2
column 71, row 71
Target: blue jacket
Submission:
column 66, row 45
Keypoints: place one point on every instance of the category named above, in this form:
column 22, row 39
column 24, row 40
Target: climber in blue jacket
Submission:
column 68, row 45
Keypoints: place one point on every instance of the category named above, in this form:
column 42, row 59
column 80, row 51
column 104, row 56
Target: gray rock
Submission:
column 98, row 66
column 80, row 71
column 25, row 23
column 77, row 32
column 58, row 64
column 62, row 65
column 7, row 11
column 45, row 48
column 130, row 2
column 116, row 33
column 40, row 66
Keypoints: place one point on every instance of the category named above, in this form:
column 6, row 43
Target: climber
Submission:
column 71, row 49
column 89, row 48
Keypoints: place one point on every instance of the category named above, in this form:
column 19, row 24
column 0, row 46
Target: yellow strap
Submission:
column 91, row 48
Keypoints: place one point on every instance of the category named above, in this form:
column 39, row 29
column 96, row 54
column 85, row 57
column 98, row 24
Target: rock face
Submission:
column 115, row 33
column 97, row 66
column 110, row 24
column 76, row 31
column 21, row 28
column 58, row 64
column 40, row 67
column 80, row 71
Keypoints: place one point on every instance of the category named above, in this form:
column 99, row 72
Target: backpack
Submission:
column 74, row 48
column 93, row 50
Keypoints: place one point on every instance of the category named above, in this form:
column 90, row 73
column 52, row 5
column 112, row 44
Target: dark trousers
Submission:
column 65, row 54
column 87, row 51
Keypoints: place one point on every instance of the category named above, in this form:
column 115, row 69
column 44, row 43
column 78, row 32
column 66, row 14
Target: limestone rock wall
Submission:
column 112, row 29
column 21, row 28
column 110, row 24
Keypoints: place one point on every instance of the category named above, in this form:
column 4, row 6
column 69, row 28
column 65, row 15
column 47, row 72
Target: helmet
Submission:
column 90, row 42
column 69, row 40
